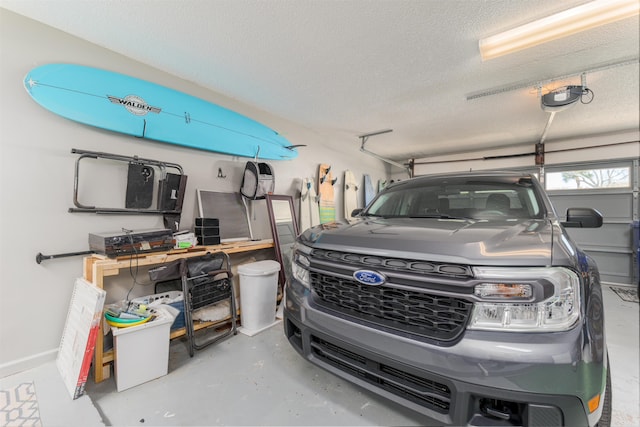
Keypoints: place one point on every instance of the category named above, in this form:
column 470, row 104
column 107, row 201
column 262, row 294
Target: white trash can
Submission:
column 258, row 295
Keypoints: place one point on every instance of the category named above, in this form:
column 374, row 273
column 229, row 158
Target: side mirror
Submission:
column 356, row 212
column 583, row 218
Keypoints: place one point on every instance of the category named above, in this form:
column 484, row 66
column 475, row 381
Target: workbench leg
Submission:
column 101, row 371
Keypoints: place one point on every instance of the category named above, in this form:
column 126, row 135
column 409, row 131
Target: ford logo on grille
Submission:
column 369, row 277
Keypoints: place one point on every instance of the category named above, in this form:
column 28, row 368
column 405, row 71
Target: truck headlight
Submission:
column 509, row 304
column 300, row 266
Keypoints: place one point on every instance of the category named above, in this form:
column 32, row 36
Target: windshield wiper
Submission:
column 433, row 215
column 439, row 216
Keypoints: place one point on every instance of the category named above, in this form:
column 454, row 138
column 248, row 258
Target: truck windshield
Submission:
column 478, row 198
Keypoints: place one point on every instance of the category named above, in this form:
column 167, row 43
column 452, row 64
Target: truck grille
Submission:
column 423, row 391
column 395, row 264
column 399, row 311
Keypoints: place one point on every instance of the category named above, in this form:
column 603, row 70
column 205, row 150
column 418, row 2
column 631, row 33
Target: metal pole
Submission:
column 40, row 257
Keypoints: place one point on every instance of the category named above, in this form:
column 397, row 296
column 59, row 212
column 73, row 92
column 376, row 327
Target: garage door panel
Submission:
column 613, row 207
column 617, row 236
column 614, row 267
column 612, row 245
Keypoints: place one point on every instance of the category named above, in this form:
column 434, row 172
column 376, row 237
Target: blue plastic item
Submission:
column 132, row 106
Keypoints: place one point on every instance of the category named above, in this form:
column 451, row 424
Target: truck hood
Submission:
column 472, row 242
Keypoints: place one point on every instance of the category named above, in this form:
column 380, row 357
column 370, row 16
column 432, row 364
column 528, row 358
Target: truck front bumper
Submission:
column 486, row 378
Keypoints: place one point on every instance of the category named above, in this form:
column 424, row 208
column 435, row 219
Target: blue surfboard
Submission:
column 132, row 106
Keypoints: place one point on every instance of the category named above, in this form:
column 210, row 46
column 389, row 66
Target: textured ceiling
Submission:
column 347, row 68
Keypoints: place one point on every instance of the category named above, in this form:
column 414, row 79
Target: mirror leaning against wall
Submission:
column 284, row 228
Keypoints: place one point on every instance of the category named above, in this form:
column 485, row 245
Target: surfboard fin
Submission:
column 324, row 176
column 333, row 182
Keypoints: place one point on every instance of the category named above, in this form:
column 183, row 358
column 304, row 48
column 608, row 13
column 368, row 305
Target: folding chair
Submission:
column 206, row 281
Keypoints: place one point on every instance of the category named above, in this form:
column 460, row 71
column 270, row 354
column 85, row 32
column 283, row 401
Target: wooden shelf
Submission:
column 97, row 267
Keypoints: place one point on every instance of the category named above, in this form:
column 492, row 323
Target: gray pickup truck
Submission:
column 460, row 296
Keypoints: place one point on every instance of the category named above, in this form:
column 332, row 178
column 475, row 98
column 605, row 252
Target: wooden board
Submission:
column 325, row 191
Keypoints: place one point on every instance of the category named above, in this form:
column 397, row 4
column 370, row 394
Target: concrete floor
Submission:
column 261, row 380
column 243, row 380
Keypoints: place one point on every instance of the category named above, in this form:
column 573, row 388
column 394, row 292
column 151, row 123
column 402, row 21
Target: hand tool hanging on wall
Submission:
column 139, row 192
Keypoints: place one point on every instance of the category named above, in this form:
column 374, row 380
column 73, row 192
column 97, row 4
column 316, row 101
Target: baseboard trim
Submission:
column 33, row 361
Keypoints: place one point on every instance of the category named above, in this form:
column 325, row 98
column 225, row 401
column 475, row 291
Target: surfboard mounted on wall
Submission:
column 309, row 209
column 326, row 193
column 350, row 194
column 132, row 106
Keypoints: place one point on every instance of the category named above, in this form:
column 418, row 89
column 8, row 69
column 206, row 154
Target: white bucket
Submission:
column 142, row 352
column 258, row 295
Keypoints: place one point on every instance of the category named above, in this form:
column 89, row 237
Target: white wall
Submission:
column 37, row 170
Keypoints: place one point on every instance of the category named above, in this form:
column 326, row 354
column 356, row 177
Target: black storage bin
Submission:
column 206, row 231
column 207, row 222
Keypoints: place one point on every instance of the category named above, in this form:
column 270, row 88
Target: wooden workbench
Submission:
column 97, row 267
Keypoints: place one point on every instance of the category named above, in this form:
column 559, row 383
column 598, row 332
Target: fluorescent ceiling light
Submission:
column 571, row 21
